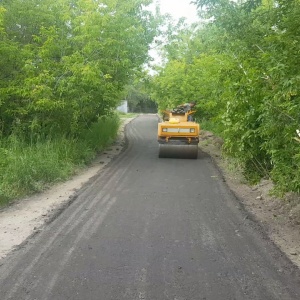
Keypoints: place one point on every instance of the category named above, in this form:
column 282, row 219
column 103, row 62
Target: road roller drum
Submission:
column 178, row 137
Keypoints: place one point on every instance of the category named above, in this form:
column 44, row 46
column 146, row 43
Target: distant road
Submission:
column 150, row 228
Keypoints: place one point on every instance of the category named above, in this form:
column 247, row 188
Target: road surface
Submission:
column 150, row 228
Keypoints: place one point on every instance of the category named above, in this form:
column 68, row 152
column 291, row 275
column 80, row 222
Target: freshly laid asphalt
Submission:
column 150, row 228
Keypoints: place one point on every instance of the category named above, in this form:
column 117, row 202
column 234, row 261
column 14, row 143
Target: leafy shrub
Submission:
column 26, row 167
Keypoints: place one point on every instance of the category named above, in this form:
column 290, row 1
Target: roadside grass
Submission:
column 127, row 115
column 26, row 168
column 230, row 165
column 211, row 125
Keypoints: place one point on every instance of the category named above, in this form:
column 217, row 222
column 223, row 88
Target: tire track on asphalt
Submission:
column 88, row 229
column 47, row 247
column 116, row 175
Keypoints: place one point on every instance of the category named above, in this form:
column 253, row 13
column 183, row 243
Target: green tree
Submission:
column 241, row 66
column 77, row 58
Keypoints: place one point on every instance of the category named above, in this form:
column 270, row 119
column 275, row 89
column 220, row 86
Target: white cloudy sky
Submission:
column 179, row 8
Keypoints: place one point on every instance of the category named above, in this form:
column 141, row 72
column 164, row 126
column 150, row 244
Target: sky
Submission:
column 178, row 9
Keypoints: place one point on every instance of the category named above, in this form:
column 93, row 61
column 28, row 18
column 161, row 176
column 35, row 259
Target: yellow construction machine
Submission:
column 178, row 135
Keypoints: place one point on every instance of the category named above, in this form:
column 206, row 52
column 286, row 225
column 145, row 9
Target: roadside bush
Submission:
column 26, row 168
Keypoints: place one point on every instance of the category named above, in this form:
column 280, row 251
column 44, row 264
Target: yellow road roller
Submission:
column 178, row 135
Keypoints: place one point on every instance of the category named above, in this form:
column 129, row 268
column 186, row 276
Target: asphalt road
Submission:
column 150, row 228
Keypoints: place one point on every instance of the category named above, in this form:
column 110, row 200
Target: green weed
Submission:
column 27, row 167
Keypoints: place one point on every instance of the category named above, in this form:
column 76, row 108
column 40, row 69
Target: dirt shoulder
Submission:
column 280, row 217
column 26, row 217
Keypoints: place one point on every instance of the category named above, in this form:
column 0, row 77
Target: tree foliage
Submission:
column 241, row 66
column 137, row 95
column 65, row 63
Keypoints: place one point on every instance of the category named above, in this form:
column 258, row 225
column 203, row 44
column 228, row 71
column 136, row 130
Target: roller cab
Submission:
column 178, row 137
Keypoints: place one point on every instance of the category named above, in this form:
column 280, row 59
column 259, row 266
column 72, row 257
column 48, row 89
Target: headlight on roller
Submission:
column 192, row 130
column 165, row 130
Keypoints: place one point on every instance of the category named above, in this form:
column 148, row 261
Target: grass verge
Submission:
column 127, row 115
column 26, row 168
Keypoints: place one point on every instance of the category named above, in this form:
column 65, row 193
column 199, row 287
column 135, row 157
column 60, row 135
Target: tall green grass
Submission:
column 211, row 125
column 127, row 115
column 27, row 167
